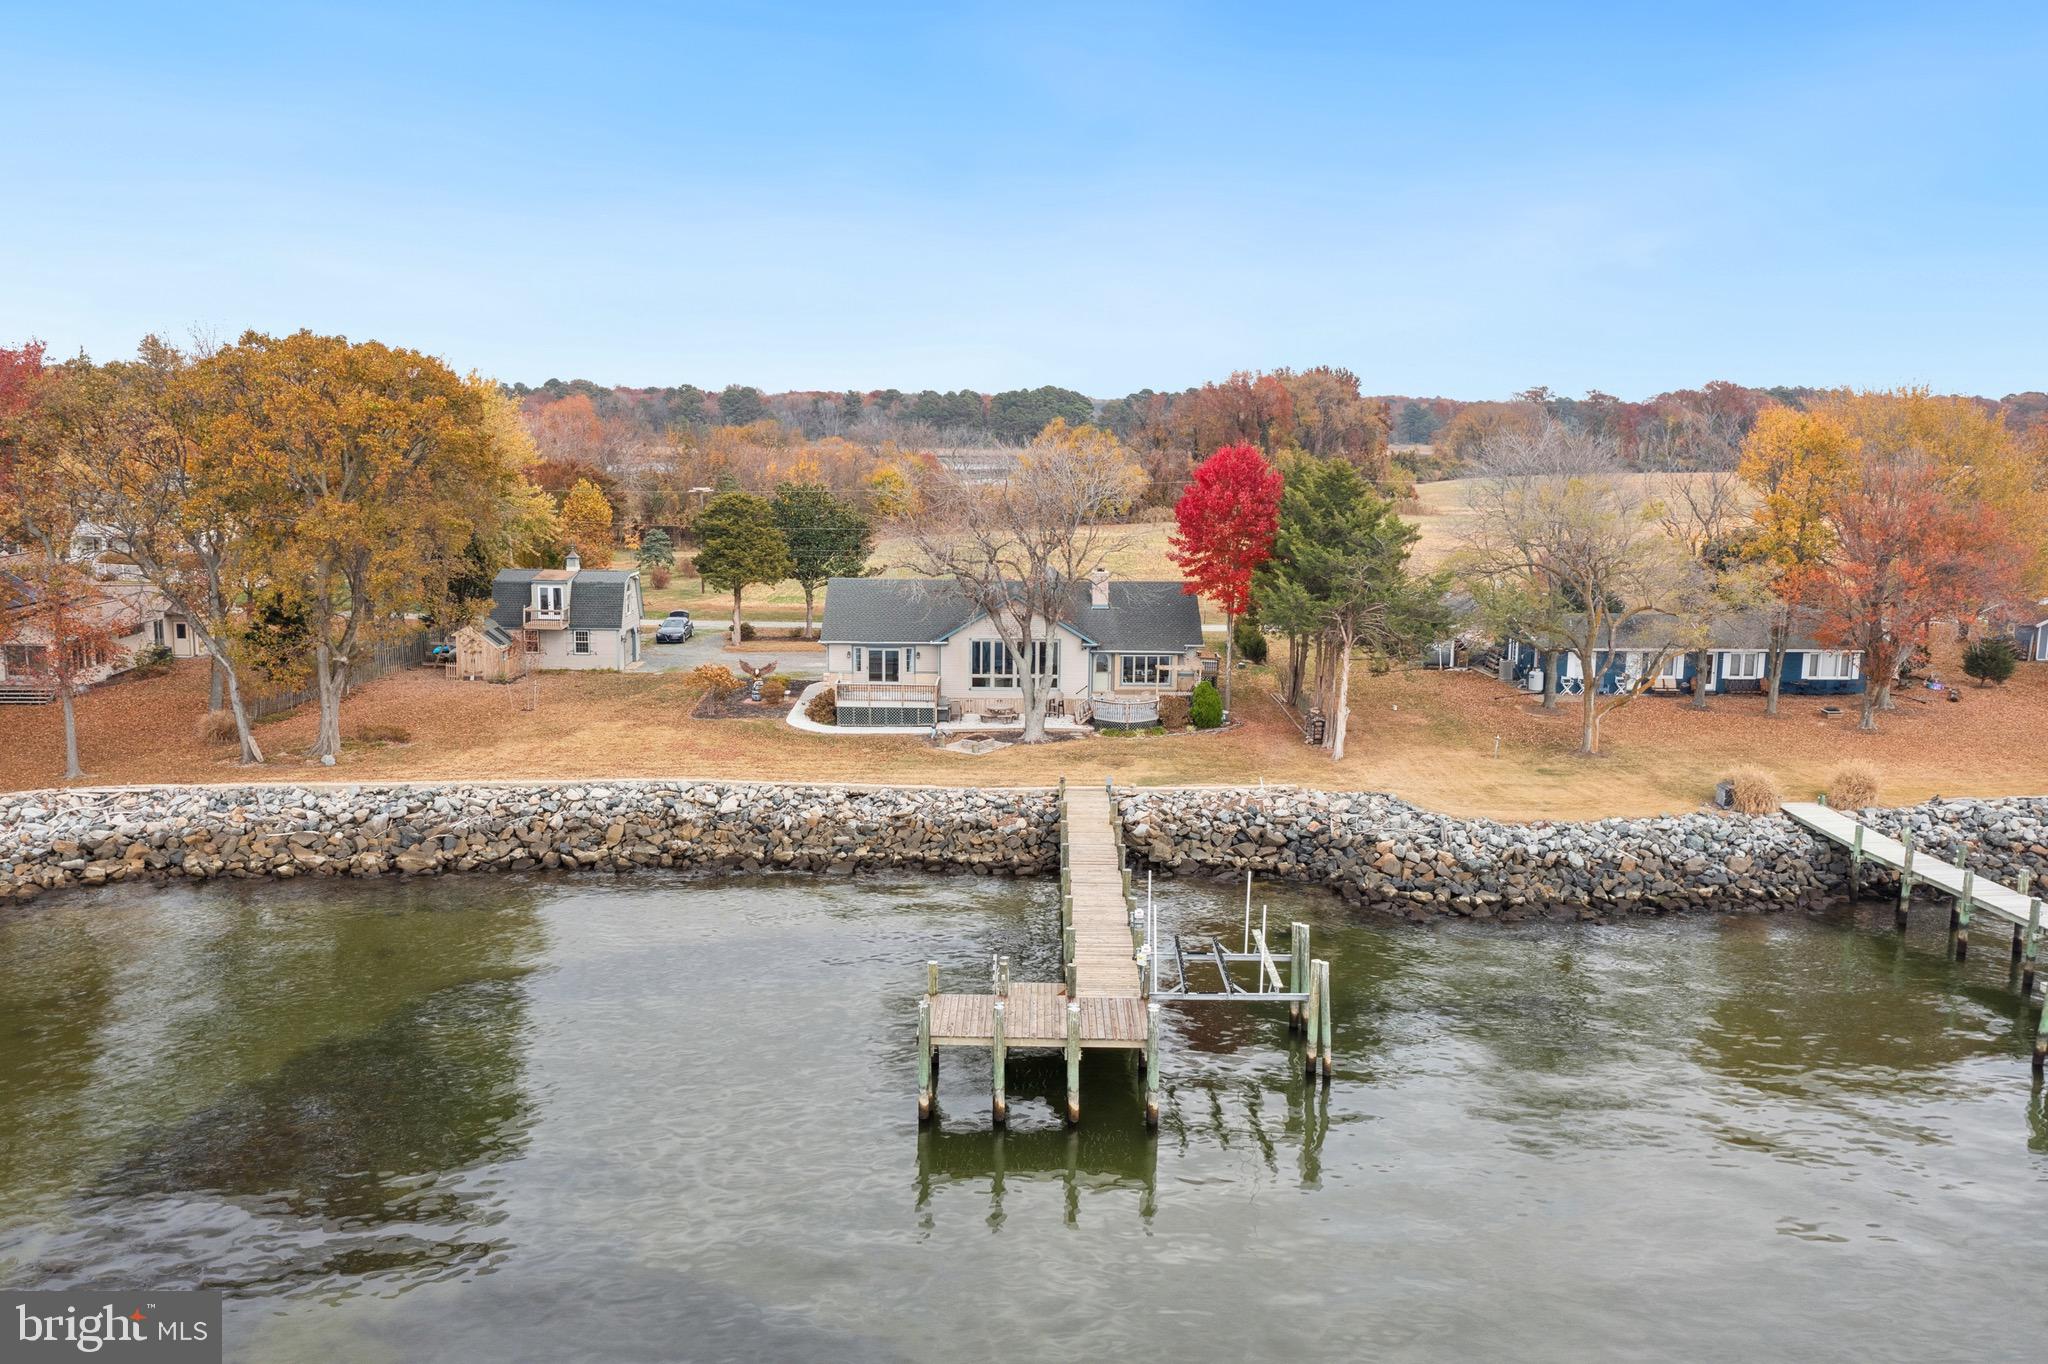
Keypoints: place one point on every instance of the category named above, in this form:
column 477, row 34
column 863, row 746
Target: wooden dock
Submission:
column 1104, row 999
column 1919, row 868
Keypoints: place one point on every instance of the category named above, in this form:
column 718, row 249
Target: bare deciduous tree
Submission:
column 1561, row 527
column 1018, row 550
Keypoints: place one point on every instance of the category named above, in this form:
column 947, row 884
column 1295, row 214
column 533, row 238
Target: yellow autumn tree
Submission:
column 1798, row 463
column 1982, row 462
column 587, row 523
column 891, row 495
column 361, row 472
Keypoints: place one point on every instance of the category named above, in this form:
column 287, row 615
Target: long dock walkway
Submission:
column 2017, row 906
column 1099, row 1002
column 1107, row 997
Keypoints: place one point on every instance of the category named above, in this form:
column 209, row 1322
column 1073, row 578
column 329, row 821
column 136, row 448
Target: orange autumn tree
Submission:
column 1905, row 551
column 66, row 633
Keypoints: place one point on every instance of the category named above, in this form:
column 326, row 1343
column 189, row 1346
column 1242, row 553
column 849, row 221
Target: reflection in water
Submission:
column 346, row 1071
column 644, row 1117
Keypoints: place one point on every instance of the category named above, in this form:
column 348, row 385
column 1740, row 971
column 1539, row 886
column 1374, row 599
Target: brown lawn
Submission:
column 1428, row 737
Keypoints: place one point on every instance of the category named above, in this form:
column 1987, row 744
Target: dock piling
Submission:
column 2031, row 955
column 2041, row 1044
column 1312, row 1015
column 1152, row 1065
column 999, row 1109
column 1074, row 1062
column 1297, row 971
column 1905, row 881
column 1856, row 864
column 924, row 1060
column 1961, row 913
column 1323, row 997
column 2018, row 932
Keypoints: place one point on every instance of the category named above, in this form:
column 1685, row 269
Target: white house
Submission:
column 570, row 617
column 911, row 651
column 138, row 610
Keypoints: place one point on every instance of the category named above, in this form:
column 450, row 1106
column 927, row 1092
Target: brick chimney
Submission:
column 1098, row 587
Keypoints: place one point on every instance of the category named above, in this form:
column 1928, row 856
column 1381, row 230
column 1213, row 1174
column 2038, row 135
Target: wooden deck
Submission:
column 1930, row 871
column 1105, row 952
column 1035, row 1016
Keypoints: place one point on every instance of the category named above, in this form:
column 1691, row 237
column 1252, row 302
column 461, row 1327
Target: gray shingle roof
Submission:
column 597, row 598
column 1155, row 617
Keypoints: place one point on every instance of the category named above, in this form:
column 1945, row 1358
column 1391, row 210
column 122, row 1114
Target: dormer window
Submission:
column 547, row 599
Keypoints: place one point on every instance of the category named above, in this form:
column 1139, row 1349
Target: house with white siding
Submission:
column 916, row 651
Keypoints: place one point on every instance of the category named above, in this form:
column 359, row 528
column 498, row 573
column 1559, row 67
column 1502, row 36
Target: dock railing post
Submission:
column 1962, row 914
column 1152, row 1065
column 924, row 1060
column 2031, row 956
column 1905, row 880
column 1074, row 1061
column 999, row 1108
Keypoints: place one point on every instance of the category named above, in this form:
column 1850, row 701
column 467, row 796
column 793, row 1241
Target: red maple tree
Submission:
column 1907, row 552
column 1224, row 527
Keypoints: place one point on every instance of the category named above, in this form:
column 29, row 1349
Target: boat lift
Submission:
column 1304, row 989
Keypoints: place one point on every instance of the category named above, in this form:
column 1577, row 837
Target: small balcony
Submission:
column 545, row 618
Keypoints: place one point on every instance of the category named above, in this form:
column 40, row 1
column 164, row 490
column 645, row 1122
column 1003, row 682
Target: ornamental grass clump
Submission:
column 1753, row 791
column 1853, row 786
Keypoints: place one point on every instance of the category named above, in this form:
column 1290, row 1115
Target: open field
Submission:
column 1428, row 737
column 1445, row 517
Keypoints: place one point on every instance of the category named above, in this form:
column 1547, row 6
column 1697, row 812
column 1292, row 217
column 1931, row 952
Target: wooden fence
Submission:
column 409, row 652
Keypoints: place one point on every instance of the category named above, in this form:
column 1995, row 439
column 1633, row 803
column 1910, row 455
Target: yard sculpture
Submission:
column 757, row 673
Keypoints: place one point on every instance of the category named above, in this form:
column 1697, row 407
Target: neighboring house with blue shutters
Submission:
column 1736, row 659
column 2031, row 640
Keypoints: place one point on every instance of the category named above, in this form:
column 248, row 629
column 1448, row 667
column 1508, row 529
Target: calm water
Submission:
column 629, row 1119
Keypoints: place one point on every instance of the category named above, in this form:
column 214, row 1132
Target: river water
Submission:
column 646, row 1118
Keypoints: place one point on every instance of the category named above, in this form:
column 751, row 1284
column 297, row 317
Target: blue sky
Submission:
column 1464, row 200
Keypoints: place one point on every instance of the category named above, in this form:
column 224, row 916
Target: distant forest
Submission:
column 744, row 433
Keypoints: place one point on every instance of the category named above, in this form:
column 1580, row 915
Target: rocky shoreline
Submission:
column 1369, row 848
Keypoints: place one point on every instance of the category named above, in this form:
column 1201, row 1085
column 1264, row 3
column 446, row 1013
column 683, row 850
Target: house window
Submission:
column 1045, row 655
column 1147, row 670
column 157, row 633
column 547, row 599
column 582, row 641
column 885, row 665
column 1743, row 665
column 181, row 631
column 990, row 664
column 1834, row 665
column 1672, row 672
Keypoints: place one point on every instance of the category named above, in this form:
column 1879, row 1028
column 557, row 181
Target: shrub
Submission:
column 217, row 727
column 1175, row 711
column 151, row 661
column 1754, row 791
column 1853, row 786
column 1990, row 660
column 774, row 689
column 715, row 678
column 383, row 734
column 1380, row 662
column 659, row 575
column 824, row 707
column 1205, row 707
column 1249, row 639
column 747, row 630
